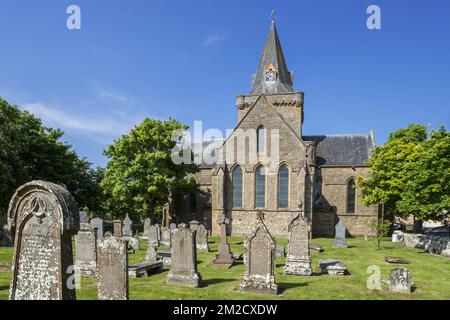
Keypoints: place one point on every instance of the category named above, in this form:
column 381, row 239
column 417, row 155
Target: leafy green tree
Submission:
column 410, row 174
column 29, row 151
column 141, row 175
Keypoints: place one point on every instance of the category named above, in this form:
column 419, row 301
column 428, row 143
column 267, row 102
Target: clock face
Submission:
column 271, row 76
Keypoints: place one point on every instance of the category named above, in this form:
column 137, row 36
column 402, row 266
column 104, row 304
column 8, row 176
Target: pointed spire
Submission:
column 272, row 75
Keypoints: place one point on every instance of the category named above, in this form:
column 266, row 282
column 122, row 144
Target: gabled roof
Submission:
column 343, row 150
column 272, row 56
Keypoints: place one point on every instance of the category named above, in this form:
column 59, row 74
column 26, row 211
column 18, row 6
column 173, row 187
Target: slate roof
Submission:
column 343, row 150
column 272, row 54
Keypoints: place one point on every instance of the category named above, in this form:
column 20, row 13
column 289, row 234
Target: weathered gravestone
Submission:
column 98, row 224
column 201, row 237
column 86, row 250
column 224, row 257
column 333, row 267
column 150, row 255
column 153, row 236
column 298, row 260
column 112, row 273
column 183, row 269
column 146, row 231
column 280, row 251
column 400, row 281
column 158, row 231
column 44, row 217
column 117, row 228
column 173, row 226
column 166, row 237
column 259, row 260
column 126, row 228
column 193, row 224
column 83, row 217
column 339, row 238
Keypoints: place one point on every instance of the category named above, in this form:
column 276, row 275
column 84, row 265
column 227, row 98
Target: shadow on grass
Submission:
column 4, row 288
column 210, row 282
column 282, row 287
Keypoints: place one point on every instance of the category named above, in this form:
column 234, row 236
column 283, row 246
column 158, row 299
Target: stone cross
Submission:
column 298, row 260
column 86, row 250
column 400, row 281
column 224, row 256
column 259, row 260
column 339, row 239
column 98, row 225
column 44, row 217
column 127, row 224
column 201, row 236
column 112, row 274
column 183, row 269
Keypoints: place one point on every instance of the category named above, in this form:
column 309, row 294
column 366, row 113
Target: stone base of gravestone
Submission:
column 191, row 279
column 340, row 243
column 333, row 267
column 297, row 267
column 263, row 286
column 400, row 281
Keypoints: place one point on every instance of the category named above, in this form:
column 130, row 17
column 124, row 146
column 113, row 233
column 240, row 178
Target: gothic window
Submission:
column 351, row 196
column 261, row 143
column 237, row 187
column 283, row 187
column 260, row 187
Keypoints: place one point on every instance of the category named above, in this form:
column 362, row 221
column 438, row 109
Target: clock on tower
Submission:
column 271, row 73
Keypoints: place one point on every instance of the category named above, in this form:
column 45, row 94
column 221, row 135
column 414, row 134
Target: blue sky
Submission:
column 190, row 59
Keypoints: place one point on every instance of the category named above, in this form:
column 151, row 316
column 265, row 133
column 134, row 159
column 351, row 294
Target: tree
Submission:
column 140, row 175
column 30, row 151
column 410, row 174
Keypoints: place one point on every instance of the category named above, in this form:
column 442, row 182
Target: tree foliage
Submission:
column 29, row 151
column 410, row 174
column 140, row 174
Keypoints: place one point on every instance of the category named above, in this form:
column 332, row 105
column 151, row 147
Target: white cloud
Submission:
column 113, row 95
column 209, row 41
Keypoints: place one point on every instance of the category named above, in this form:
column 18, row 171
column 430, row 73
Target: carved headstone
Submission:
column 224, row 256
column 201, row 236
column 166, row 236
column 298, row 260
column 44, row 217
column 146, row 231
column 126, row 229
column 259, row 260
column 98, row 224
column 86, row 250
column 112, row 274
column 183, row 270
column 400, row 281
column 339, row 239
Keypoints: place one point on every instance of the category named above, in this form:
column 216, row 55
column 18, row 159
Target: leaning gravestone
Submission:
column 126, row 228
column 339, row 239
column 259, row 260
column 298, row 260
column 98, row 224
column 201, row 237
column 146, row 231
column 86, row 250
column 45, row 217
column 400, row 281
column 183, row 269
column 112, row 274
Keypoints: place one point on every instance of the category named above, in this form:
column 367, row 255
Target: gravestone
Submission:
column 146, row 231
column 98, row 224
column 298, row 260
column 86, row 250
column 224, row 257
column 280, row 251
column 117, row 228
column 153, row 236
column 400, row 281
column 259, row 260
column 83, row 217
column 201, row 236
column 44, row 217
column 183, row 269
column 333, row 267
column 158, row 231
column 173, row 226
column 132, row 244
column 5, row 236
column 112, row 273
column 339, row 239
column 150, row 255
column 126, row 228
column 194, row 225
column 166, row 236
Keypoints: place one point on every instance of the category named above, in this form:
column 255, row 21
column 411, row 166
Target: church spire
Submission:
column 272, row 75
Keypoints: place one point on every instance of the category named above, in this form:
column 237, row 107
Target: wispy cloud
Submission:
column 113, row 96
column 210, row 40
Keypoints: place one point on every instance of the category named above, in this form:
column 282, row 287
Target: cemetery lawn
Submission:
column 430, row 274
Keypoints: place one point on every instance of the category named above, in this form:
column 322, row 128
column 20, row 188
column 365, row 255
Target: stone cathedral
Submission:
column 315, row 172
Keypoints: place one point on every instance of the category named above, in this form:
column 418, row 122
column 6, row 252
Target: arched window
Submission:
column 260, row 187
column 237, row 187
column 283, row 187
column 261, row 143
column 351, row 196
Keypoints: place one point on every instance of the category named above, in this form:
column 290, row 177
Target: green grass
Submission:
column 431, row 275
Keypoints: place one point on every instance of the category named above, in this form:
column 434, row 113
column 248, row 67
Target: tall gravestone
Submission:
column 339, row 239
column 99, row 225
column 201, row 236
column 158, row 231
column 86, row 250
column 112, row 273
column 44, row 217
column 298, row 260
column 126, row 227
column 146, row 230
column 117, row 228
column 183, row 270
column 400, row 281
column 259, row 260
column 224, row 257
